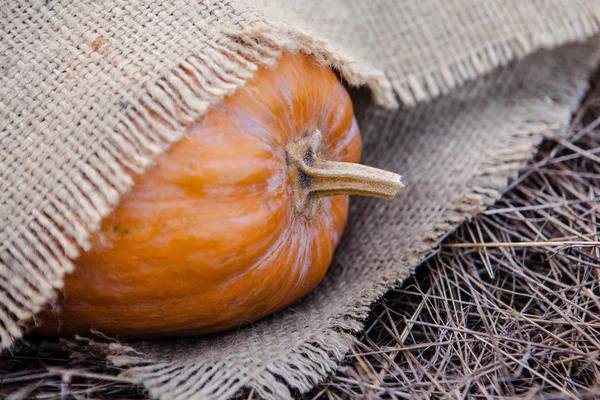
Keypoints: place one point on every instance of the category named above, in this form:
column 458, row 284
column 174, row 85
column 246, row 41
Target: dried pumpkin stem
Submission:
column 313, row 178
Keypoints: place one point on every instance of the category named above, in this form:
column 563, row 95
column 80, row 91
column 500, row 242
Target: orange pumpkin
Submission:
column 235, row 221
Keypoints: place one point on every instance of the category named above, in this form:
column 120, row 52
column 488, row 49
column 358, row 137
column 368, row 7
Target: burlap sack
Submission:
column 76, row 78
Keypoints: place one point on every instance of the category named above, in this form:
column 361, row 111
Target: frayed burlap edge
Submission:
column 416, row 88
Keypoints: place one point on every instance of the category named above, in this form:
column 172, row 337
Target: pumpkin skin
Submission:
column 209, row 238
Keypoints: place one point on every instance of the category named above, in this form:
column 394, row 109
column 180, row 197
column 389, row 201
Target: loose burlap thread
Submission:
column 79, row 79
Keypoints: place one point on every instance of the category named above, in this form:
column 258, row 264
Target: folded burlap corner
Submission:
column 478, row 83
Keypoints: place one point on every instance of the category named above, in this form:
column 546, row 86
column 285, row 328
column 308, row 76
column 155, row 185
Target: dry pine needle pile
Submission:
column 517, row 317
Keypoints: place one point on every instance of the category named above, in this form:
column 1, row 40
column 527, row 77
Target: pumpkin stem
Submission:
column 313, row 178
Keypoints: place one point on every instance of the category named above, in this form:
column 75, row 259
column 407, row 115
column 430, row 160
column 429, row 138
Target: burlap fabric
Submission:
column 78, row 79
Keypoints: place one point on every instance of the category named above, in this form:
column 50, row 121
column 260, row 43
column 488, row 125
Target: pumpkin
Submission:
column 238, row 220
